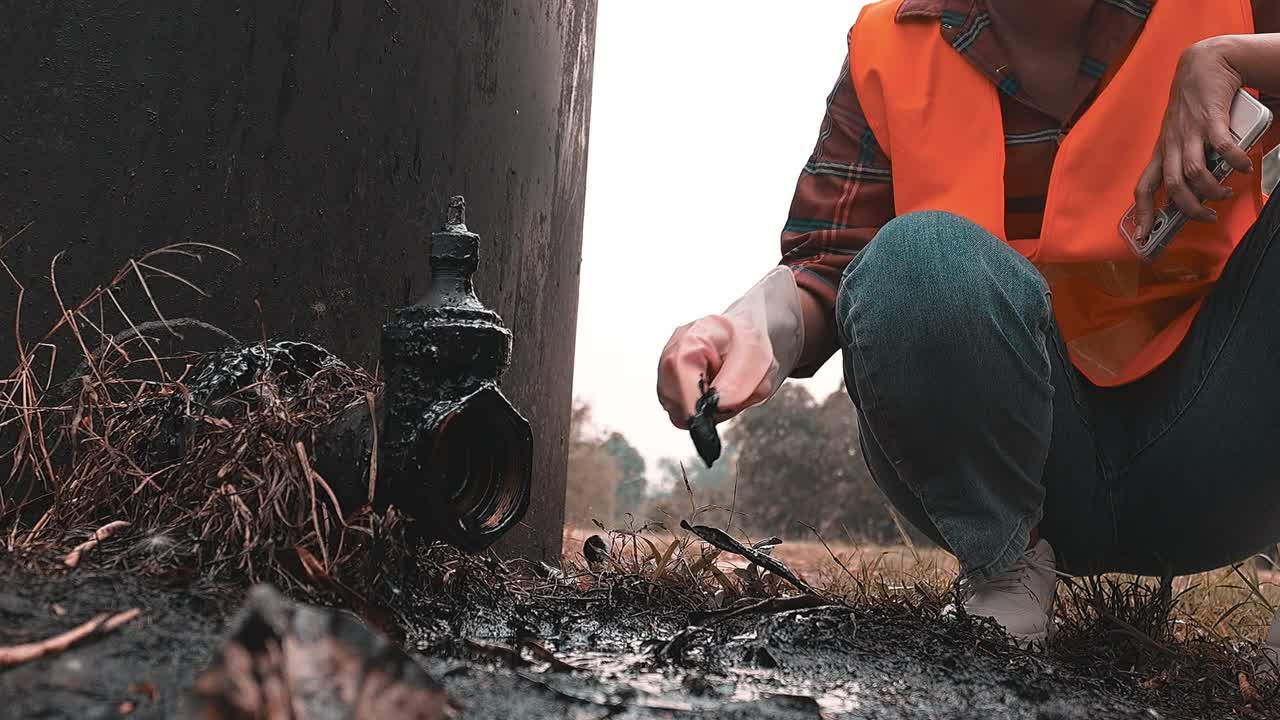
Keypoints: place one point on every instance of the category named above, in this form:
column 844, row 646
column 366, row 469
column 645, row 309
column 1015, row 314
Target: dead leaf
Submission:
column 722, row 540
column 1248, row 692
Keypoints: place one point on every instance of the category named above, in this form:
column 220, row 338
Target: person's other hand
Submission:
column 744, row 354
column 1197, row 120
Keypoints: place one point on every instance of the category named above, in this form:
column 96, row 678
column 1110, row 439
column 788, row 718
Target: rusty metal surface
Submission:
column 316, row 140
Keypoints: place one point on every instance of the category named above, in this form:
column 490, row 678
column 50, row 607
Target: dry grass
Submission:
column 1191, row 635
column 1230, row 604
column 93, row 443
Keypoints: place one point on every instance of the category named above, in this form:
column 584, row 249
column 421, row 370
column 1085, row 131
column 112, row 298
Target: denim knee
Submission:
column 927, row 278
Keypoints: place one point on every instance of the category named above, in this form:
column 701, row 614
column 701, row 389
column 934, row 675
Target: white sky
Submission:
column 703, row 113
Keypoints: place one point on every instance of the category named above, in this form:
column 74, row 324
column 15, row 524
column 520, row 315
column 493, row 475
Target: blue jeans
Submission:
column 978, row 429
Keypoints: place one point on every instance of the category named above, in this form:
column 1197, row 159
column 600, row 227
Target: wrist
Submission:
column 786, row 321
column 1227, row 51
column 1223, row 50
column 819, row 329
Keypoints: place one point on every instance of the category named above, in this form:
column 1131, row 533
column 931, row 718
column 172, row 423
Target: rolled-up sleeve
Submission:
column 843, row 197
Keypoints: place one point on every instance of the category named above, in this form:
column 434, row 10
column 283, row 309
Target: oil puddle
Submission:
column 582, row 656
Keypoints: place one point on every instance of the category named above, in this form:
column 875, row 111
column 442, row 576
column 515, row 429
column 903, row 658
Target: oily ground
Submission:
column 607, row 651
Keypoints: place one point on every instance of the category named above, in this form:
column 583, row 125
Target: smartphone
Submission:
column 1250, row 119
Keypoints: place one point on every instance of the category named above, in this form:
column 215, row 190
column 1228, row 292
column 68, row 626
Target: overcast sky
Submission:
column 703, row 115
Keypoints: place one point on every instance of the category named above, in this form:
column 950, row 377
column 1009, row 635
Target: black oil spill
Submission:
column 566, row 653
column 826, row 662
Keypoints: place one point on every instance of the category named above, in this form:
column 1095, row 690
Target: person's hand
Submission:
column 1197, row 120
column 714, row 352
column 744, row 353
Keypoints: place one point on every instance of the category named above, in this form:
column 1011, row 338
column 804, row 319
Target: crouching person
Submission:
column 1032, row 395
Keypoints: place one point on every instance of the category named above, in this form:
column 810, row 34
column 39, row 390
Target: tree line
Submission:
column 792, row 464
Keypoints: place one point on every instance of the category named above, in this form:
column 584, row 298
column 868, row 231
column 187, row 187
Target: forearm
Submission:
column 843, row 197
column 819, row 329
column 1255, row 58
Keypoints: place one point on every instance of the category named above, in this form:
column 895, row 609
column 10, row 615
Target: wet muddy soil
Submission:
column 596, row 656
column 141, row 670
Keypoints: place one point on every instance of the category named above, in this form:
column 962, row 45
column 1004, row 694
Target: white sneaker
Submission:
column 1021, row 599
column 1271, row 646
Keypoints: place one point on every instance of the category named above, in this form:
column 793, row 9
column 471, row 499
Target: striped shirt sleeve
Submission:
column 843, row 197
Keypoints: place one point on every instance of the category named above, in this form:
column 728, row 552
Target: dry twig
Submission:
column 100, row 625
column 103, row 533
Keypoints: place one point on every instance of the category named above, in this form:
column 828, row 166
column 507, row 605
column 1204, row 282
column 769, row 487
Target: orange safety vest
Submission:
column 939, row 121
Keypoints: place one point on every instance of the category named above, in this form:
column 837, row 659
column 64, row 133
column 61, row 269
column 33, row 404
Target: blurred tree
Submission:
column 859, row 506
column 709, row 492
column 701, row 478
column 629, row 495
column 800, row 462
column 794, row 460
column 593, row 473
column 780, row 480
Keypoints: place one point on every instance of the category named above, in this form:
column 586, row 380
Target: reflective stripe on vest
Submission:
column 938, row 119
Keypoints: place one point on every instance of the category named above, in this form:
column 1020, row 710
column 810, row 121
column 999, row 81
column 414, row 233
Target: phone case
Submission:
column 1250, row 120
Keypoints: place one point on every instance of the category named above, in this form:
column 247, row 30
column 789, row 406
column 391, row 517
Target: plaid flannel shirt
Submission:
column 845, row 192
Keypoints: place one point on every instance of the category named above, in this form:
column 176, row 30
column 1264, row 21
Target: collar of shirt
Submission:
column 966, row 25
column 965, row 8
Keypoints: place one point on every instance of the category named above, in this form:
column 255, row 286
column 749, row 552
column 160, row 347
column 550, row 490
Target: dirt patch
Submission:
column 828, row 662
column 587, row 655
column 143, row 669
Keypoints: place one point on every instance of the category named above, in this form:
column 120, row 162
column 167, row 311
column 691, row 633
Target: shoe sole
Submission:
column 1023, row 641
column 1029, row 642
column 1044, row 638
